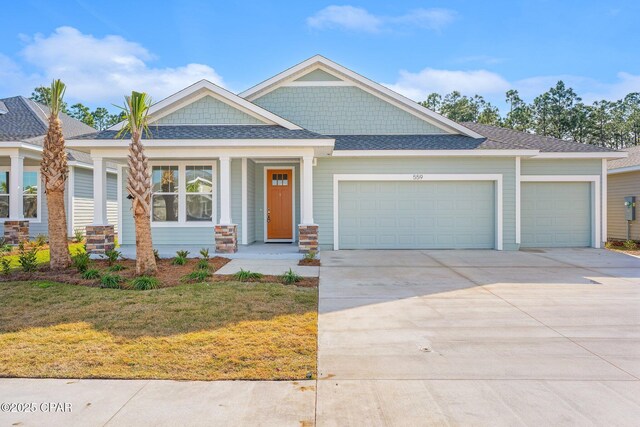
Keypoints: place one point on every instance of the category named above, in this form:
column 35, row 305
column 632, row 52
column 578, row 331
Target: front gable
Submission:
column 211, row 111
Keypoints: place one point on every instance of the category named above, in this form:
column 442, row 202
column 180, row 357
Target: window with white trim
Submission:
column 182, row 193
column 4, row 194
column 30, row 193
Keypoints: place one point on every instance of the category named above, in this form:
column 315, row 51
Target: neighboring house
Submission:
column 23, row 125
column 325, row 157
column 624, row 181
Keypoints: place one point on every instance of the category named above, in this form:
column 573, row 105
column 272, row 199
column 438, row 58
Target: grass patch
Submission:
column 43, row 255
column 226, row 330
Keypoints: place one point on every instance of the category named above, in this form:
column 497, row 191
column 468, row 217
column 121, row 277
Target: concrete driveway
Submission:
column 479, row 338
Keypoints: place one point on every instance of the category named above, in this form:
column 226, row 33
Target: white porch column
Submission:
column 225, row 190
column 245, row 202
column 16, row 187
column 99, row 191
column 307, row 191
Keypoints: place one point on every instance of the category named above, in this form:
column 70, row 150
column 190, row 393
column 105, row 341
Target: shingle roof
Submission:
column 512, row 139
column 214, row 132
column 632, row 160
column 411, row 142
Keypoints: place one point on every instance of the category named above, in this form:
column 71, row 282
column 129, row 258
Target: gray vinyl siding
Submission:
column 621, row 185
column 83, row 204
column 327, row 167
column 42, row 227
column 208, row 110
column 259, row 197
column 251, row 201
column 561, row 167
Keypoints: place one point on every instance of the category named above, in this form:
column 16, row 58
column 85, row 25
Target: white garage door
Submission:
column 416, row 214
column 556, row 214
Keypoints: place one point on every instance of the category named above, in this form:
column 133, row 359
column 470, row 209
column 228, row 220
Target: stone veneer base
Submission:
column 100, row 239
column 307, row 238
column 226, row 238
column 16, row 231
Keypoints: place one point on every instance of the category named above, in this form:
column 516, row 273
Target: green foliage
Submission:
column 311, row 255
column 204, row 253
column 82, row 113
column 40, row 240
column 116, row 267
column 143, row 283
column 244, row 275
column 110, row 281
column 609, row 245
column 78, row 235
column 27, row 257
column 91, row 274
column 135, row 109
column 42, row 94
column 290, row 277
column 112, row 256
column 182, row 254
column 198, row 275
column 156, row 254
column 81, row 261
column 5, row 265
column 56, row 104
column 203, row 264
column 630, row 245
column 464, row 108
column 181, row 258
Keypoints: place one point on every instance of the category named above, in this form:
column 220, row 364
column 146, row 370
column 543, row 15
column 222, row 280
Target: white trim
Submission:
column 596, row 204
column 518, row 192
column 362, row 82
column 306, row 200
column 292, row 160
column 434, row 153
column 592, row 155
column 180, row 144
column 99, row 191
column 70, row 200
column 245, row 203
column 497, row 178
column 225, row 191
column 39, row 194
column 229, row 97
column 603, row 177
column 119, row 178
column 624, row 169
column 317, row 83
column 182, row 194
column 293, row 202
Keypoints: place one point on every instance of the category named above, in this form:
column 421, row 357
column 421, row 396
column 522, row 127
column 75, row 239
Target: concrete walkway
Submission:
column 274, row 267
column 419, row 338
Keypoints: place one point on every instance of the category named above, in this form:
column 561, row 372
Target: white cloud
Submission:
column 103, row 70
column 359, row 19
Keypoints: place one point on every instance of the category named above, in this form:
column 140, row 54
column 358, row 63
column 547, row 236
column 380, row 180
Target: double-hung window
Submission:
column 30, row 193
column 4, row 194
column 183, row 193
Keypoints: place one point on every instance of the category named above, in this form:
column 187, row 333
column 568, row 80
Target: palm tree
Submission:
column 54, row 170
column 135, row 111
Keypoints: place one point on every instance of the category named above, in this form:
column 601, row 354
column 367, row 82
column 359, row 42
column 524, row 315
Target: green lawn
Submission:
column 225, row 330
column 43, row 255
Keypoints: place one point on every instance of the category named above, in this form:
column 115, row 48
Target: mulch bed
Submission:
column 304, row 282
column 309, row 262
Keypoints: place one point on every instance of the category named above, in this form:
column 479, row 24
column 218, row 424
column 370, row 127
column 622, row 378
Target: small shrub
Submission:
column 156, row 254
column 290, row 277
column 112, row 256
column 81, row 261
column 182, row 254
column 630, row 245
column 91, row 274
column 204, row 253
column 179, row 260
column 28, row 258
column 5, row 265
column 40, row 240
column 311, row 255
column 244, row 275
column 143, row 283
column 110, row 281
column 116, row 267
column 203, row 264
column 4, row 246
column 609, row 245
column 78, row 235
column 199, row 275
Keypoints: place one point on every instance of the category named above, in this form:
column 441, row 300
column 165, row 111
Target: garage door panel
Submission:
column 556, row 214
column 417, row 215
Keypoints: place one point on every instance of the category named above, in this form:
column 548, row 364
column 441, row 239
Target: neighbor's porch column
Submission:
column 100, row 235
column 16, row 228
column 226, row 233
column 307, row 230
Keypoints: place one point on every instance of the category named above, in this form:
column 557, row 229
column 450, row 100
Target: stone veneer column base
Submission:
column 100, row 239
column 307, row 238
column 16, row 231
column 226, row 238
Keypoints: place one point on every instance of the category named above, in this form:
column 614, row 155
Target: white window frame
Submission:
column 39, row 193
column 422, row 177
column 182, row 194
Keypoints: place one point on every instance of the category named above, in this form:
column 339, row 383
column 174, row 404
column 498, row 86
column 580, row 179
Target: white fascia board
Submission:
column 559, row 178
column 187, row 143
column 222, row 93
column 592, row 155
column 273, row 82
column 624, row 170
column 434, row 153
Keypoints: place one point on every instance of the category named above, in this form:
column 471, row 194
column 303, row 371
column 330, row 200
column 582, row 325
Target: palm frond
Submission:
column 136, row 108
column 57, row 94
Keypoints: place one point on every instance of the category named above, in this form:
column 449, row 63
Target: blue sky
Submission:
column 102, row 50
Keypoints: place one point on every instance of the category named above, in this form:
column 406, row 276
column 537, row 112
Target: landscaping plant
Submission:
column 244, row 275
column 27, row 257
column 156, row 254
column 112, row 256
column 54, row 170
column 91, row 274
column 143, row 283
column 40, row 240
column 81, row 261
column 204, row 253
column 181, row 258
column 203, row 264
column 78, row 235
column 116, row 267
column 311, row 255
column 110, row 281
column 630, row 245
column 290, row 277
column 199, row 275
column 5, row 265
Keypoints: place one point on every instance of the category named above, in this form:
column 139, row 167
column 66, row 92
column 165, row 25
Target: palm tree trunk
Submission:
column 145, row 260
column 58, row 245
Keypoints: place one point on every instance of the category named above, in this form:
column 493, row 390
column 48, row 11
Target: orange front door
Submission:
column 279, row 204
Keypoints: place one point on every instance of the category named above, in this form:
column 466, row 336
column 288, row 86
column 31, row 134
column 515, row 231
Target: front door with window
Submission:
column 279, row 204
